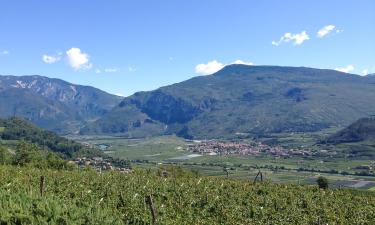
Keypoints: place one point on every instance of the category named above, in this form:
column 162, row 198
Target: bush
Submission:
column 322, row 182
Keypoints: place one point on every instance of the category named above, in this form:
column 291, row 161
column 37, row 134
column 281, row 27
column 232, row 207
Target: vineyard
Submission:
column 33, row 196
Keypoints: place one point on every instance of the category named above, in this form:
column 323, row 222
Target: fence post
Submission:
column 256, row 177
column 42, row 184
column 152, row 208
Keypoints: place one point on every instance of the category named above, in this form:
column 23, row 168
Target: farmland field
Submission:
column 153, row 152
column 87, row 197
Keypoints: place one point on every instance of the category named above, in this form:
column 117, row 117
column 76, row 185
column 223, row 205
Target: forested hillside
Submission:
column 22, row 130
column 246, row 100
column 361, row 130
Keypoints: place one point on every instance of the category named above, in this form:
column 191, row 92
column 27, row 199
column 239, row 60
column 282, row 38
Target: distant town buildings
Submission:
column 100, row 164
column 214, row 147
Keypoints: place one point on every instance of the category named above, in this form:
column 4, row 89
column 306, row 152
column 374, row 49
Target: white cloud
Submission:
column 132, row 69
column 119, row 94
column 298, row 38
column 4, row 52
column 346, row 69
column 365, row 72
column 238, row 61
column 214, row 66
column 209, row 68
column 98, row 71
column 326, row 30
column 110, row 70
column 77, row 59
column 49, row 59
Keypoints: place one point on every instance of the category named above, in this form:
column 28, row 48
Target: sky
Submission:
column 123, row 46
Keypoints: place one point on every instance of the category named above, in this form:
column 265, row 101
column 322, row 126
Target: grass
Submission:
column 87, row 197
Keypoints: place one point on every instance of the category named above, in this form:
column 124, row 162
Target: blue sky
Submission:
column 128, row 46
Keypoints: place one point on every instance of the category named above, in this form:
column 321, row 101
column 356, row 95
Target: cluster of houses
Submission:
column 213, row 147
column 99, row 164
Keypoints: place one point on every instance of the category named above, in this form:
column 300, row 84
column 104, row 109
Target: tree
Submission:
column 322, row 182
column 27, row 153
column 55, row 162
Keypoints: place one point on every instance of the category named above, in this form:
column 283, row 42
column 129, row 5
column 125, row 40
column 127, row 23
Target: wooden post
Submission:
column 30, row 185
column 152, row 208
column 42, row 184
column 256, row 177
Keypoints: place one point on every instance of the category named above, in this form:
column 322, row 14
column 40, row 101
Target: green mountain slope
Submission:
column 361, row 130
column 244, row 99
column 52, row 103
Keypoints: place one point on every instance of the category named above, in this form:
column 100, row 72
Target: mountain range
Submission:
column 243, row 100
column 53, row 104
column 238, row 100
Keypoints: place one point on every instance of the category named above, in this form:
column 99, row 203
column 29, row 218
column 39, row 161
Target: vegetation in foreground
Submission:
column 178, row 197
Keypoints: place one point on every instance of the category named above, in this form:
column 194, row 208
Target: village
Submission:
column 213, row 147
column 101, row 164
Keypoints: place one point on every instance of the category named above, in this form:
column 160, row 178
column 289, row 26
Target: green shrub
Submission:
column 322, row 182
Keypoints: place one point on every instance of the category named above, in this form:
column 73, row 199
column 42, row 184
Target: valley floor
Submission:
column 166, row 150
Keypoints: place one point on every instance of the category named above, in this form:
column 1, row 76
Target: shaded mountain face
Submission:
column 52, row 103
column 243, row 99
column 361, row 130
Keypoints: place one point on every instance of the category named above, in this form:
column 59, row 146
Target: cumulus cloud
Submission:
column 214, row 66
column 49, row 59
column 98, row 71
column 326, row 30
column 365, row 72
column 132, row 69
column 297, row 39
column 78, row 59
column 346, row 69
column 209, row 68
column 4, row 52
column 238, row 61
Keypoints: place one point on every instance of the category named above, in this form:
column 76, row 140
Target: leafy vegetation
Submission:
column 30, row 155
column 322, row 182
column 19, row 129
column 87, row 197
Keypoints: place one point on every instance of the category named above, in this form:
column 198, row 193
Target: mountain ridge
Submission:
column 53, row 103
column 243, row 99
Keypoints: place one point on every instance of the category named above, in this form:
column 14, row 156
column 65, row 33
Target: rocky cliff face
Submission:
column 52, row 103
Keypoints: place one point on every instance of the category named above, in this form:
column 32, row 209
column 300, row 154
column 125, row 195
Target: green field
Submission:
column 178, row 197
column 153, row 152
